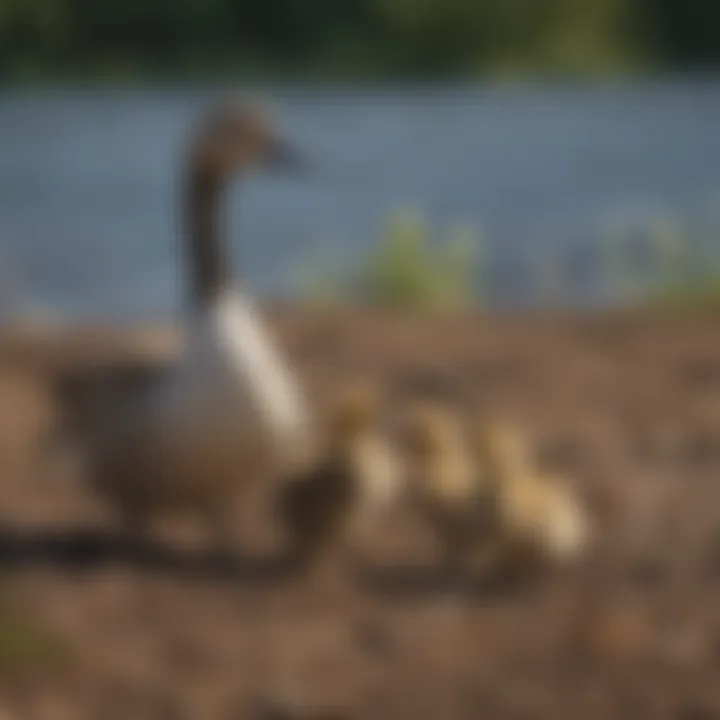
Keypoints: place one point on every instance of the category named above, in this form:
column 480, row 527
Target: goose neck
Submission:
column 209, row 272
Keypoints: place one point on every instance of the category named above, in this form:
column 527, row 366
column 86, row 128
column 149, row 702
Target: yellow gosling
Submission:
column 356, row 476
column 538, row 516
column 451, row 493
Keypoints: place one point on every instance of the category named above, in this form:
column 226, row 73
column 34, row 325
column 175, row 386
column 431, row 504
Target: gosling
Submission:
column 539, row 519
column 357, row 475
column 451, row 494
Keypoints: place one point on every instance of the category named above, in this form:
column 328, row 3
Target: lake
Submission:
column 88, row 181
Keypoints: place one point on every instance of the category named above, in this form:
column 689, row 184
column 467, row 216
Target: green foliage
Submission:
column 408, row 270
column 659, row 261
column 327, row 38
column 27, row 647
column 664, row 263
column 693, row 295
column 638, row 259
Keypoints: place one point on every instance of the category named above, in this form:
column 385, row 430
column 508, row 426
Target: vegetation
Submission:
column 666, row 262
column 27, row 646
column 365, row 38
column 657, row 260
column 689, row 296
column 409, row 270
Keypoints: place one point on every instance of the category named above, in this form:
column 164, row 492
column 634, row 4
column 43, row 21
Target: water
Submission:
column 88, row 221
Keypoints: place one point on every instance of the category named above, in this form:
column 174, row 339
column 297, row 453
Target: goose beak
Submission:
column 284, row 157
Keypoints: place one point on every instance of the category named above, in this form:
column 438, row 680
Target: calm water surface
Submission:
column 88, row 212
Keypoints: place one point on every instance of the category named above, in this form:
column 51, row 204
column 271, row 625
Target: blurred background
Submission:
column 514, row 153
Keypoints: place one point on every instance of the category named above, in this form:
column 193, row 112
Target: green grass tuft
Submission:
column 408, row 269
column 26, row 646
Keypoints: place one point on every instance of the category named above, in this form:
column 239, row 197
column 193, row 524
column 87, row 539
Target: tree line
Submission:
column 354, row 38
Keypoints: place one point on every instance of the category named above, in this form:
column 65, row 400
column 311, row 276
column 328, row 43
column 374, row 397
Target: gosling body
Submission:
column 539, row 518
column 451, row 494
column 357, row 476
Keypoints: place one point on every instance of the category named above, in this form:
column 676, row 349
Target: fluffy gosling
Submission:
column 357, row 475
column 452, row 495
column 538, row 516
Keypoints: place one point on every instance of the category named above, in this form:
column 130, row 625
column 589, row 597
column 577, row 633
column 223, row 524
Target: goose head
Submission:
column 235, row 136
column 231, row 138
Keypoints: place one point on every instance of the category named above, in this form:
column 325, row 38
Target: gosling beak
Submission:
column 282, row 156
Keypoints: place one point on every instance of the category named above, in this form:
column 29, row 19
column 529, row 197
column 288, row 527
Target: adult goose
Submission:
column 186, row 437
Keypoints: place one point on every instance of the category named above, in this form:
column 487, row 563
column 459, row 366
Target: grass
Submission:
column 704, row 293
column 409, row 269
column 686, row 266
column 26, row 646
column 657, row 260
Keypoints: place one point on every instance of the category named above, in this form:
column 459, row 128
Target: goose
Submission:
column 539, row 518
column 187, row 436
column 450, row 492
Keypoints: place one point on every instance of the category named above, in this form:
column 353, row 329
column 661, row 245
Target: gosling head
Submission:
column 353, row 413
column 235, row 135
column 432, row 431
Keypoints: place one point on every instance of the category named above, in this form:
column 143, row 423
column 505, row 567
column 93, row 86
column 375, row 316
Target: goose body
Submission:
column 229, row 409
column 233, row 378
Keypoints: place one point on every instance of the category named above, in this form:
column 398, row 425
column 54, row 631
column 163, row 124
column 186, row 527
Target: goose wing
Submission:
column 84, row 394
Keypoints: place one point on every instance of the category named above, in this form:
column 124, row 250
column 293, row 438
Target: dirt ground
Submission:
column 628, row 405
